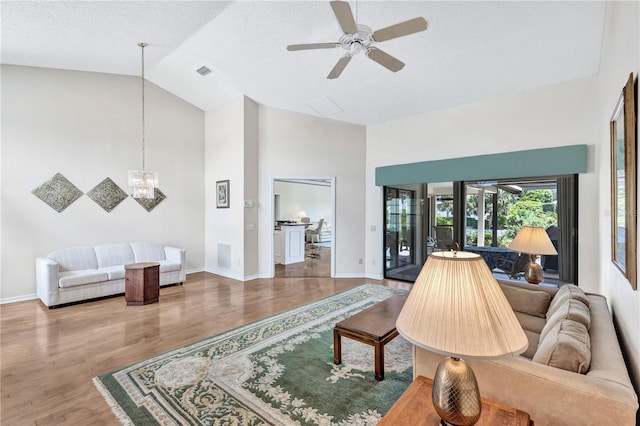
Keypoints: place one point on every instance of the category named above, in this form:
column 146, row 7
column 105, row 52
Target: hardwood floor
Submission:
column 49, row 357
column 317, row 263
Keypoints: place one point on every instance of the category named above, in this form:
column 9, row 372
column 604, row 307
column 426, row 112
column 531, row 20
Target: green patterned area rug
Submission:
column 277, row 371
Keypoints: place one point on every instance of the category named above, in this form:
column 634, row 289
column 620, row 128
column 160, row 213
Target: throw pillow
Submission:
column 567, row 291
column 566, row 346
column 571, row 309
column 527, row 301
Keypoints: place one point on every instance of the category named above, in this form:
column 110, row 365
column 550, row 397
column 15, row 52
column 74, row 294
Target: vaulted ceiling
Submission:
column 471, row 51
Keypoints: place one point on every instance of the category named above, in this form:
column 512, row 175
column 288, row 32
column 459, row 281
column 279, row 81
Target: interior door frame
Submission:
column 334, row 236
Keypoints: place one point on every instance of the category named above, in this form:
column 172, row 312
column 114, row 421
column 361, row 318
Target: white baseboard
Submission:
column 374, row 277
column 18, row 298
column 355, row 275
column 227, row 274
column 223, row 273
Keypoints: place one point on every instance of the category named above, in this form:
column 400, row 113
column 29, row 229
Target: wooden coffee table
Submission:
column 375, row 326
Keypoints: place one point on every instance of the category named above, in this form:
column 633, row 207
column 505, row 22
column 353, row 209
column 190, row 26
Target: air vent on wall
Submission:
column 203, row 70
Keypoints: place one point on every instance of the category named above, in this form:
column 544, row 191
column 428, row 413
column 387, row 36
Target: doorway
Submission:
column 308, row 205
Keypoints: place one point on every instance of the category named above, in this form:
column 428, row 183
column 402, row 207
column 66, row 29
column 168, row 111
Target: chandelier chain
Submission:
column 142, row 45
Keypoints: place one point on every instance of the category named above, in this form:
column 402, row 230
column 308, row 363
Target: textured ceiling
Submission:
column 471, row 51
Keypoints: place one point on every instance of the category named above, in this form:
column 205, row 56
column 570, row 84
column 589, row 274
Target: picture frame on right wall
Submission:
column 623, row 184
column 222, row 194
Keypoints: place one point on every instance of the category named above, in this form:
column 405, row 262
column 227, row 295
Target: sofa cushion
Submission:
column 527, row 301
column 115, row 272
column 75, row 258
column 534, row 339
column 76, row 278
column 571, row 309
column 567, row 346
column 567, row 291
column 148, row 252
column 531, row 322
column 114, row 254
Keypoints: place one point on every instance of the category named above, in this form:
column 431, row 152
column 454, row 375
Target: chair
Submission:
column 444, row 237
column 406, row 243
column 431, row 245
column 313, row 234
column 513, row 264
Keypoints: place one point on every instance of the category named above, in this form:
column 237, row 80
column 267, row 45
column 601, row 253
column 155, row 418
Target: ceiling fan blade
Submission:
column 384, row 59
column 312, row 46
column 343, row 12
column 402, row 29
column 340, row 66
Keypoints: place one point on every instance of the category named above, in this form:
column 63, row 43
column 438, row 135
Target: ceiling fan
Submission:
column 360, row 38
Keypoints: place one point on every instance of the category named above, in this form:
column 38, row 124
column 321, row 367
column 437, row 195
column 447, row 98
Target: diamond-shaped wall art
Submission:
column 57, row 192
column 107, row 194
column 150, row 204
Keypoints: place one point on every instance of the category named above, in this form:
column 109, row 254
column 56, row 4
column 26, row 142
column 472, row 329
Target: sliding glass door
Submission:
column 403, row 234
column 484, row 217
column 495, row 212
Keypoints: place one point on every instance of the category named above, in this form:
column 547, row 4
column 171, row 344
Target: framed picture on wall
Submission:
column 623, row 184
column 222, row 194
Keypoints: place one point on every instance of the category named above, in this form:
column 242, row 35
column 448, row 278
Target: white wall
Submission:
column 87, row 126
column 620, row 57
column 224, row 160
column 314, row 200
column 297, row 146
column 251, row 189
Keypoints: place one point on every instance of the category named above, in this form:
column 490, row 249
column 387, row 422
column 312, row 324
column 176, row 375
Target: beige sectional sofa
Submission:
column 81, row 273
column 572, row 373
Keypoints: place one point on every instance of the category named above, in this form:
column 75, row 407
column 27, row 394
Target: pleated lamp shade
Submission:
column 533, row 240
column 457, row 308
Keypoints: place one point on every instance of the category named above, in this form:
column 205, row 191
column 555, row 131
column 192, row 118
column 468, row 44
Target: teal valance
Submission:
column 563, row 160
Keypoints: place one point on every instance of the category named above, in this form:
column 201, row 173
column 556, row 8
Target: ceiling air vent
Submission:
column 203, row 70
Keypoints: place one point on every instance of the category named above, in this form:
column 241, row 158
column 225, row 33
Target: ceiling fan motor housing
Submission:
column 360, row 41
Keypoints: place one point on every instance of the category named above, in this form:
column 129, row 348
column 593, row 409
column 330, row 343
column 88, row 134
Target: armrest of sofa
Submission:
column 179, row 255
column 47, row 280
column 550, row 395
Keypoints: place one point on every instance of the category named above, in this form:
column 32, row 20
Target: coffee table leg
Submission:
column 337, row 347
column 379, row 360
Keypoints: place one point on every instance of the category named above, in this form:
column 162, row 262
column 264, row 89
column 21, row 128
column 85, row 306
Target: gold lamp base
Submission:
column 533, row 272
column 455, row 394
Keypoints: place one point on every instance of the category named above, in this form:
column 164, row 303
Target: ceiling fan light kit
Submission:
column 357, row 38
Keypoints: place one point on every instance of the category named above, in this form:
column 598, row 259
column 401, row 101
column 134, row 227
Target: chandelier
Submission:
column 141, row 181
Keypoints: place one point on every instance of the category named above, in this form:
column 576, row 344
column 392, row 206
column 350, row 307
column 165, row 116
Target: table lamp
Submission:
column 456, row 308
column 533, row 240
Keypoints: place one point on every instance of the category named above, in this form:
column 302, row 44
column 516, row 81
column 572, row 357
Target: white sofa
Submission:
column 82, row 273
